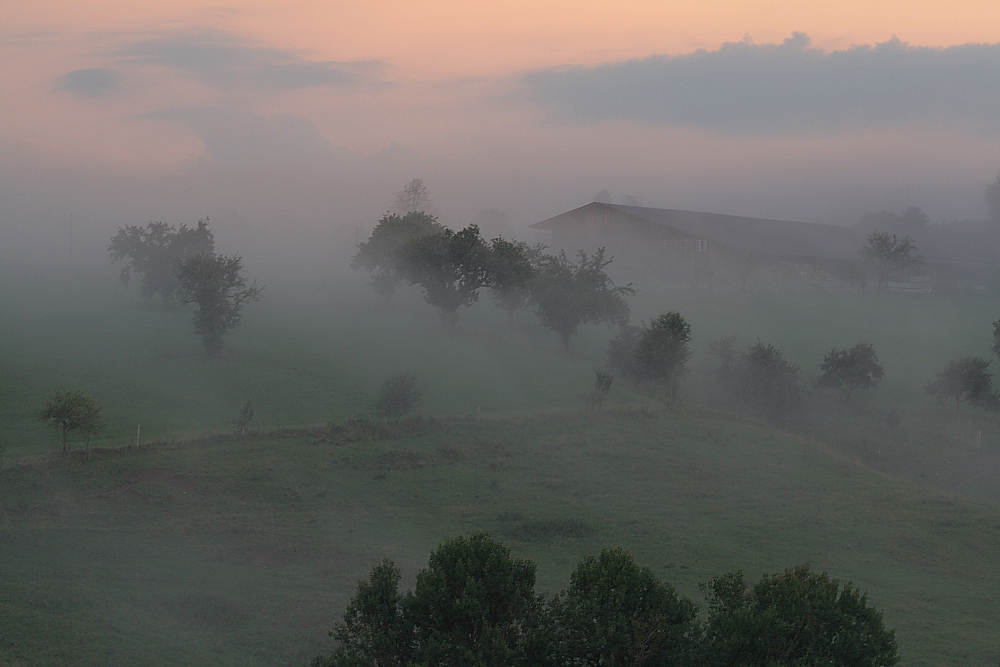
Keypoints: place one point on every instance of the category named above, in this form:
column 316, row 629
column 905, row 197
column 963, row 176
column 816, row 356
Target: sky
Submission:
column 296, row 122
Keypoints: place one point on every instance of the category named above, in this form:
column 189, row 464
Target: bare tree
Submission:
column 890, row 254
column 414, row 198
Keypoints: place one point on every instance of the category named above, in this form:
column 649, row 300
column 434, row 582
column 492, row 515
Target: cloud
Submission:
column 791, row 87
column 93, row 82
column 227, row 61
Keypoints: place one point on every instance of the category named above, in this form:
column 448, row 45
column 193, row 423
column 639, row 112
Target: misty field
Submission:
column 201, row 547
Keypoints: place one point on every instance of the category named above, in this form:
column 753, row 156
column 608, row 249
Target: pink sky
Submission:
column 156, row 92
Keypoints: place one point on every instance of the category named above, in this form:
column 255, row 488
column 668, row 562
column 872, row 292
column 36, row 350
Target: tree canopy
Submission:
column 890, row 254
column 219, row 290
column 662, row 352
column 379, row 254
column 965, row 380
column 849, row 370
column 70, row 411
column 512, row 264
column 569, row 294
column 157, row 251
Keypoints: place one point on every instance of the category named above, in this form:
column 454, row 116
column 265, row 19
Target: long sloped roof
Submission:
column 804, row 239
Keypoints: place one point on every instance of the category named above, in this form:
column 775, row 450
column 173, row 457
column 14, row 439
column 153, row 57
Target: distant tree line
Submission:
column 475, row 604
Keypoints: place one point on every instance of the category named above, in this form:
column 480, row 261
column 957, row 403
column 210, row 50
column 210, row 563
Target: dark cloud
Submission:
column 228, row 61
column 92, row 82
column 790, row 87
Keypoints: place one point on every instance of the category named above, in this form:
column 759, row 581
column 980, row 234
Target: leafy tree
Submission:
column 996, row 338
column 450, row 266
column 373, row 632
column 791, row 619
column 219, row 290
column 662, row 352
column 965, row 380
column 470, row 606
column 399, row 394
column 378, row 255
column 890, row 254
column 157, row 251
column 622, row 351
column 512, row 269
column 602, row 387
column 71, row 411
column 848, row 370
column 993, row 200
column 413, row 198
column 764, row 382
column 618, row 613
column 568, row 295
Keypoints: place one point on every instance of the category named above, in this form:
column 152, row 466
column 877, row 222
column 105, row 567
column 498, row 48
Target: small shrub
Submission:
column 399, row 394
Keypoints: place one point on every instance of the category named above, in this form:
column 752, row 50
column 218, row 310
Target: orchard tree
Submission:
column 567, row 295
column 662, row 353
column 450, row 266
column 618, row 613
column 512, row 267
column 156, row 251
column 965, row 380
column 793, row 618
column 890, row 254
column 398, row 395
column 848, row 370
column 71, row 411
column 379, row 254
column 219, row 290
column 764, row 382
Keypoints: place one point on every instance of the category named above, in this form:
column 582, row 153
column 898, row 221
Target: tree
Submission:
column 602, row 387
column 373, row 632
column 72, row 411
column 793, row 618
column 413, row 198
column 157, row 251
column 848, row 370
column 618, row 613
column 512, row 269
column 399, row 394
column 965, row 380
column 890, row 254
column 450, row 266
column 621, row 351
column 245, row 417
column 379, row 254
column 219, row 290
column 470, row 606
column 996, row 337
column 662, row 352
column 993, row 201
column 764, row 382
column 567, row 295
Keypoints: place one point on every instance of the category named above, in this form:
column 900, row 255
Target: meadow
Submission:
column 201, row 547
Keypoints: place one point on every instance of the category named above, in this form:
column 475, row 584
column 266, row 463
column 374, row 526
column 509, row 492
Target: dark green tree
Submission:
column 616, row 613
column 450, row 266
column 965, row 380
column 889, row 254
column 471, row 605
column 621, row 351
column 765, row 383
column 662, row 353
column 219, row 290
column 378, row 255
column 567, row 295
column 373, row 632
column 71, row 411
column 793, row 619
column 512, row 269
column 156, row 251
column 398, row 395
column 848, row 370
column 996, row 337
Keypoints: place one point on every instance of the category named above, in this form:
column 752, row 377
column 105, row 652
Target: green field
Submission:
column 217, row 550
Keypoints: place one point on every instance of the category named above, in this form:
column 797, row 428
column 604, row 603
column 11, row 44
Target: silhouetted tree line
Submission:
column 475, row 604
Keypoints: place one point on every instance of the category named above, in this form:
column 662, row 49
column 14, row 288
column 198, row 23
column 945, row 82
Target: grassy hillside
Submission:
column 232, row 551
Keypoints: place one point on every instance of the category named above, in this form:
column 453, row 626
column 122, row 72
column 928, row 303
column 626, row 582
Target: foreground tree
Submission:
column 379, row 254
column 71, row 411
column 156, row 251
column 568, row 295
column 890, row 254
column 618, row 613
column 965, row 380
column 791, row 619
column 219, row 290
column 849, row 370
column 662, row 353
column 512, row 268
column 451, row 267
